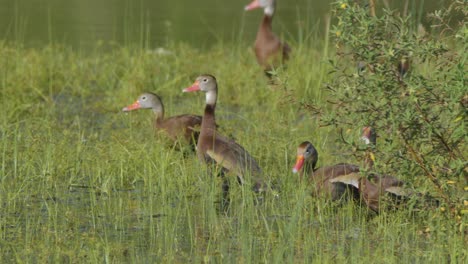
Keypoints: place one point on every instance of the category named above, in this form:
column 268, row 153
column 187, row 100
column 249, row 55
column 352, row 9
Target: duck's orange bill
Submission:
column 135, row 105
column 195, row 87
column 253, row 5
column 299, row 163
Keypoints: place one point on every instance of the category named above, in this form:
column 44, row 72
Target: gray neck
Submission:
column 158, row 110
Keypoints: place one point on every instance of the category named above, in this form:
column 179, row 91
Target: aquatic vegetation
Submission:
column 81, row 181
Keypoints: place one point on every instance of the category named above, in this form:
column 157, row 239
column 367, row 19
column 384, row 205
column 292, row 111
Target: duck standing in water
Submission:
column 213, row 148
column 269, row 49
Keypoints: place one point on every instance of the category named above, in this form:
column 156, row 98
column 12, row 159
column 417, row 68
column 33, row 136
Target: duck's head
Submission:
column 369, row 136
column 267, row 5
column 307, row 156
column 146, row 101
column 205, row 83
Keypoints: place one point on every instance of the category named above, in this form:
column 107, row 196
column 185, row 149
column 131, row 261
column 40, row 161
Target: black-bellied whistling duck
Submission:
column 377, row 190
column 212, row 147
column 373, row 188
column 269, row 49
column 176, row 127
column 403, row 67
column 306, row 160
column 370, row 139
column 369, row 136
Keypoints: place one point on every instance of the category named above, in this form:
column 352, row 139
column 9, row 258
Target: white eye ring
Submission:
column 143, row 98
column 205, row 80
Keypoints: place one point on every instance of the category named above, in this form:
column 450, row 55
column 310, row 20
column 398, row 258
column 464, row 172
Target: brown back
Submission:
column 181, row 126
column 373, row 189
column 212, row 147
column 322, row 176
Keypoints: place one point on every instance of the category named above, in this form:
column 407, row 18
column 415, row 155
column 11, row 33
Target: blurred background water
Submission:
column 82, row 23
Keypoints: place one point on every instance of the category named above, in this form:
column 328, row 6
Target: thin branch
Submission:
column 372, row 7
column 431, row 176
column 438, row 135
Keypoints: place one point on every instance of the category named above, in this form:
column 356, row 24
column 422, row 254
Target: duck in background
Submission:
column 214, row 148
column 369, row 137
column 181, row 127
column 380, row 191
column 403, row 67
column 270, row 51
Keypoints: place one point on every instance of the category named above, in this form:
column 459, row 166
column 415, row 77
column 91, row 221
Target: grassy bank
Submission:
column 83, row 182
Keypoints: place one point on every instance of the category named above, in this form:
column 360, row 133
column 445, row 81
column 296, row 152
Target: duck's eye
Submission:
column 205, row 80
column 143, row 98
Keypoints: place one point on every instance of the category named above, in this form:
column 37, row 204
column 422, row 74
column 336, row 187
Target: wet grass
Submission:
column 83, row 182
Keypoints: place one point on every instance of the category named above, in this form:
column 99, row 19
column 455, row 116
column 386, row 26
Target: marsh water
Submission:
column 82, row 23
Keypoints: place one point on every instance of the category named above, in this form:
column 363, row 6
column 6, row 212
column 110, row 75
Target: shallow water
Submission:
column 81, row 23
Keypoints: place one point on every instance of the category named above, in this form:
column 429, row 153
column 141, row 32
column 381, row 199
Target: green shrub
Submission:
column 420, row 114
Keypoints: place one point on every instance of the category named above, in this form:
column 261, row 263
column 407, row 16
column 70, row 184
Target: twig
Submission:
column 372, row 8
column 431, row 176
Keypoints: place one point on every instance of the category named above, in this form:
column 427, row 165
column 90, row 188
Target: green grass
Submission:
column 81, row 181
